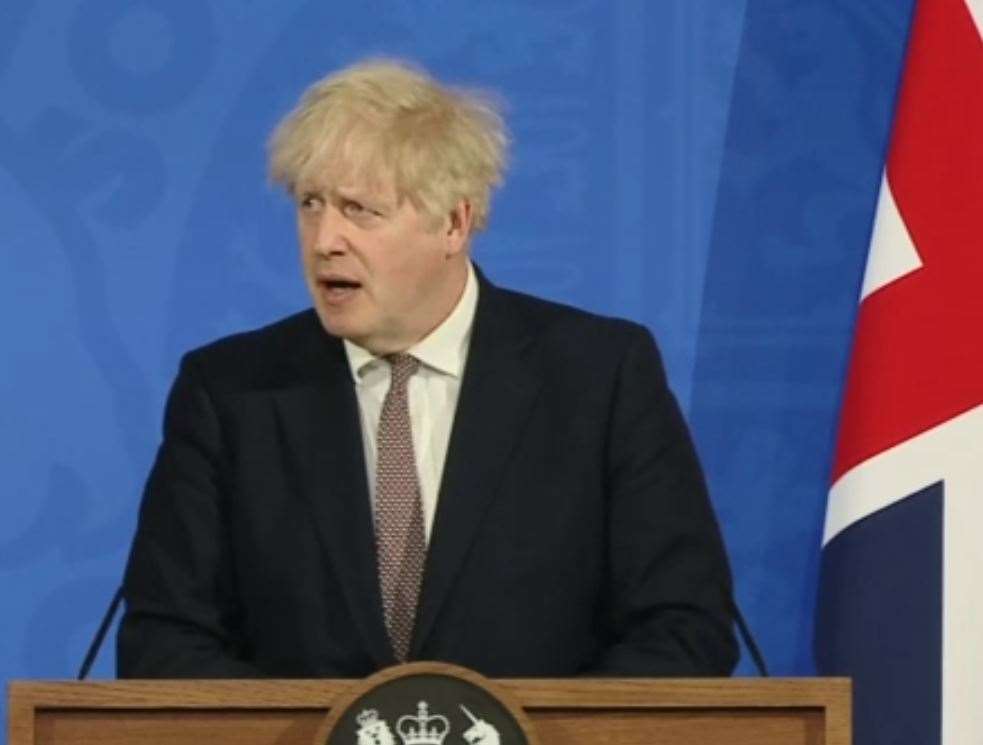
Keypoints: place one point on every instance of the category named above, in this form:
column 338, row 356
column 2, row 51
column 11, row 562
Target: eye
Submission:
column 311, row 202
column 353, row 208
column 356, row 210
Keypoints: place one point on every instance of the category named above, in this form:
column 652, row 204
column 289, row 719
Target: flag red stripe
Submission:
column 918, row 347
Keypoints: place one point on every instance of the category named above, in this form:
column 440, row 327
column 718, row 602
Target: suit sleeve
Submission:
column 668, row 610
column 182, row 618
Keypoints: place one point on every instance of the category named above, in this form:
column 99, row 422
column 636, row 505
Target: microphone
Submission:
column 748, row 639
column 100, row 636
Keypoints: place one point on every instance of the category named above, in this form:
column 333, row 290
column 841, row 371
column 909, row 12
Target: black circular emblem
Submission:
column 427, row 704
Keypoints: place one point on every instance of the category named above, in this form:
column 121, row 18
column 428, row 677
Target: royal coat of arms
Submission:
column 422, row 728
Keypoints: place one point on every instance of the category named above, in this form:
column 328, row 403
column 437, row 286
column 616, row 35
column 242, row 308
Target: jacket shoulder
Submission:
column 550, row 320
column 266, row 355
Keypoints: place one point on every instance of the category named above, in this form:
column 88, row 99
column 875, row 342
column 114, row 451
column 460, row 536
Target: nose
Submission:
column 331, row 233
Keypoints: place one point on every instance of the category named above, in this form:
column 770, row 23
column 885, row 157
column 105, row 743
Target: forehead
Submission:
column 348, row 171
column 348, row 184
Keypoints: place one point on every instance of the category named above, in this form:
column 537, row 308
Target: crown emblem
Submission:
column 424, row 728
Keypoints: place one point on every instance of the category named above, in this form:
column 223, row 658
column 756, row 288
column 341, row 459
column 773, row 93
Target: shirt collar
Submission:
column 444, row 349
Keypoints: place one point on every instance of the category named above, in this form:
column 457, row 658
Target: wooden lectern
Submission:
column 806, row 711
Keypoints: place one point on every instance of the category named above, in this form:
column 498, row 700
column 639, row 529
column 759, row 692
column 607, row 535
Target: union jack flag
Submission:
column 901, row 589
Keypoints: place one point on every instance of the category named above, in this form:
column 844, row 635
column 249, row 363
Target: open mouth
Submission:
column 337, row 289
column 341, row 284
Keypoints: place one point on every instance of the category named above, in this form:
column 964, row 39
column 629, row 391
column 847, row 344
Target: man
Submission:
column 425, row 466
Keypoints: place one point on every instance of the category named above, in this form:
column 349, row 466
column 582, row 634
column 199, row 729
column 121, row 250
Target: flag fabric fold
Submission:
column 900, row 606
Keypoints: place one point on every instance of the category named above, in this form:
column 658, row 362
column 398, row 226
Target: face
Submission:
column 381, row 274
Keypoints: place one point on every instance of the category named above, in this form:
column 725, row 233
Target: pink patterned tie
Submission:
column 400, row 541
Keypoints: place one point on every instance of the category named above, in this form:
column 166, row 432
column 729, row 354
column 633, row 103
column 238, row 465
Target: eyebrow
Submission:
column 363, row 194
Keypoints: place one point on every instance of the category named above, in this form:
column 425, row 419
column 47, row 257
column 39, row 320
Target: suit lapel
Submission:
column 497, row 393
column 320, row 422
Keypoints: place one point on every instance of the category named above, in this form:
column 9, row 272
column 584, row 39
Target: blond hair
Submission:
column 385, row 120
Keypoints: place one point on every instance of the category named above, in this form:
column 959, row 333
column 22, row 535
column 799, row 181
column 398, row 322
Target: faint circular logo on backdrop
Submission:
column 141, row 56
column 426, row 703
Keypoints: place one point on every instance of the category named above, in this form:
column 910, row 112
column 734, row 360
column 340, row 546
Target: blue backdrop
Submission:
column 707, row 167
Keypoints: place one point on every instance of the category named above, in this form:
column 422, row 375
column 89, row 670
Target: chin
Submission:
column 335, row 326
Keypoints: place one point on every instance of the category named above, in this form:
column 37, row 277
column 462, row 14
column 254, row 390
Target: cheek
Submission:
column 303, row 232
column 302, row 249
column 413, row 280
column 306, row 263
column 306, row 253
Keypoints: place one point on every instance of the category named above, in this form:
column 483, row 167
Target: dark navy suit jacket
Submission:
column 573, row 532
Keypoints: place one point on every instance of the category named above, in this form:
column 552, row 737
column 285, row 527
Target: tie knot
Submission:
column 403, row 366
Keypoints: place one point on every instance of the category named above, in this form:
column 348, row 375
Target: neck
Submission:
column 444, row 303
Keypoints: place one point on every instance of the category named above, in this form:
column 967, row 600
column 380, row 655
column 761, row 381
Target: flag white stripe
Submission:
column 952, row 447
column 976, row 11
column 962, row 640
column 892, row 253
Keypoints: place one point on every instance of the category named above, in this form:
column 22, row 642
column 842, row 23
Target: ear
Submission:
column 457, row 228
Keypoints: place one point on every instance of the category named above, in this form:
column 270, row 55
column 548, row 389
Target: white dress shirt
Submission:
column 433, row 392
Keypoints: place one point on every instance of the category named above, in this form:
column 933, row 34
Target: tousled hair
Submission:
column 385, row 121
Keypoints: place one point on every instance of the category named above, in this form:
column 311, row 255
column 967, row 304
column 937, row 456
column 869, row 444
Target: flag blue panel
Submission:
column 879, row 619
